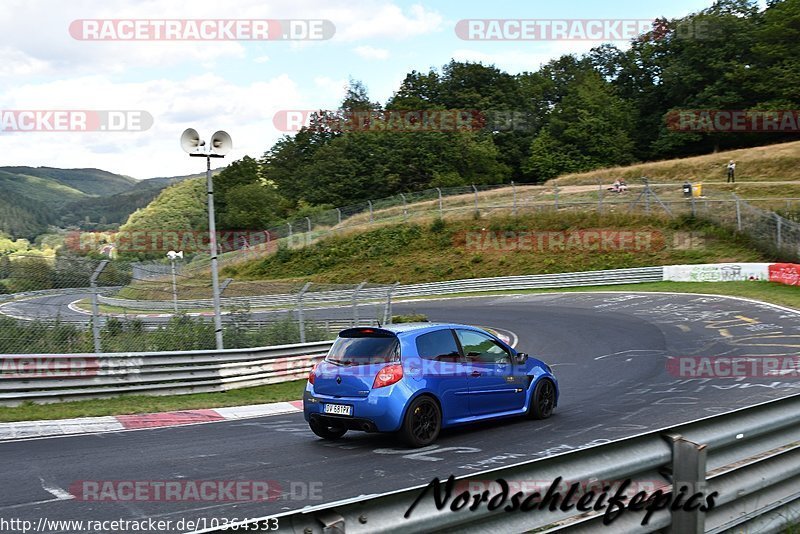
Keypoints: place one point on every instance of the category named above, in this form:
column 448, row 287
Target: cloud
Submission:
column 370, row 52
column 336, row 86
column 385, row 21
column 206, row 102
column 42, row 44
column 16, row 63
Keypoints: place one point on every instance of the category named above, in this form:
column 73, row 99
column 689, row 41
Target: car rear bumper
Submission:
column 350, row 423
column 382, row 409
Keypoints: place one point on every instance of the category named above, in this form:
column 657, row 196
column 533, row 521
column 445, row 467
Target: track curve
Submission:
column 608, row 351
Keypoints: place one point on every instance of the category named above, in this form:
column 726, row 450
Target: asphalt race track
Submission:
column 607, row 349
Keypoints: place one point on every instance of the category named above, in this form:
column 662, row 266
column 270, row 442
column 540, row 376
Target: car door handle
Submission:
column 476, row 374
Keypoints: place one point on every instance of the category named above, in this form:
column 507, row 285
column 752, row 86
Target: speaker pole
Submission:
column 212, row 245
column 220, row 145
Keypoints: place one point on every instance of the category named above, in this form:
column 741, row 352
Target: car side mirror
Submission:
column 521, row 357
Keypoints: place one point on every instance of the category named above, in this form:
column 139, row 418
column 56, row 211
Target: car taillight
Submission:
column 388, row 376
column 311, row 375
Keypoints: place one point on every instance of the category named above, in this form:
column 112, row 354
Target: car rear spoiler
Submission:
column 366, row 331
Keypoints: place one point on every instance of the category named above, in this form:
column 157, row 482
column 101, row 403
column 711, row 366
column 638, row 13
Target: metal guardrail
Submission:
column 65, row 377
column 54, row 292
column 749, row 457
column 539, row 281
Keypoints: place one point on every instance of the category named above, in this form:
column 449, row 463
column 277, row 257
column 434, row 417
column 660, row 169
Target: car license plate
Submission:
column 339, row 409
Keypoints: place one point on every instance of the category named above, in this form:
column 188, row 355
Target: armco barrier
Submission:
column 63, row 377
column 537, row 281
column 724, row 272
column 749, row 460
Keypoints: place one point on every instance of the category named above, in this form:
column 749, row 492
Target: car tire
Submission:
column 422, row 423
column 325, row 431
column 543, row 400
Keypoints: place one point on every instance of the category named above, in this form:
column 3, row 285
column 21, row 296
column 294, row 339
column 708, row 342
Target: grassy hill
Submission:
column 772, row 163
column 443, row 251
column 178, row 207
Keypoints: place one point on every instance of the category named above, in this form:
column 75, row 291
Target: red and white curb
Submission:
column 90, row 425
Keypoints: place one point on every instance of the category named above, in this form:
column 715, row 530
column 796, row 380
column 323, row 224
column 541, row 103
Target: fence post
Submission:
column 289, row 244
column 778, row 231
column 224, row 285
column 300, row 322
column 738, row 213
column 387, row 310
column 405, row 210
column 599, row 196
column 477, row 210
column 694, row 209
column 95, row 306
column 174, row 285
column 339, row 215
column 514, row 193
column 441, row 215
column 688, row 469
column 370, row 210
column 555, row 191
column 355, row 302
column 308, row 233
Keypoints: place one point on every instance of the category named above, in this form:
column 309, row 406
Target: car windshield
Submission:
column 363, row 350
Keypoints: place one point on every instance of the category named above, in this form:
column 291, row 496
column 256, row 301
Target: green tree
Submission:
column 589, row 128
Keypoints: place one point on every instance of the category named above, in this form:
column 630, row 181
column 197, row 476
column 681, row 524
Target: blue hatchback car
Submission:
column 417, row 378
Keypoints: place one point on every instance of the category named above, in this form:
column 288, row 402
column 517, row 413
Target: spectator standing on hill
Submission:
column 732, row 172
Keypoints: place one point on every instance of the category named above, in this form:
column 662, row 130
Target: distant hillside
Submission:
column 113, row 210
column 21, row 216
column 33, row 198
column 94, row 182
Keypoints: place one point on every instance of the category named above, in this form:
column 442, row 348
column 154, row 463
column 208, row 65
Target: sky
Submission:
column 239, row 85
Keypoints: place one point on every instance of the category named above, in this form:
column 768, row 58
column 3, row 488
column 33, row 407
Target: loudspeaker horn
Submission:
column 221, row 143
column 190, row 140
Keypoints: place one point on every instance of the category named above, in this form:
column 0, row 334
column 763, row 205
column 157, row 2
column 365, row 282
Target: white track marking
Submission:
column 59, row 493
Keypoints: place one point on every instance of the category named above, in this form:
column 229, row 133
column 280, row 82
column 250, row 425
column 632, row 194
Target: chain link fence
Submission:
column 485, row 200
column 70, row 305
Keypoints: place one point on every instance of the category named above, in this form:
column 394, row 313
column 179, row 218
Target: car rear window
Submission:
column 358, row 348
column 439, row 345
